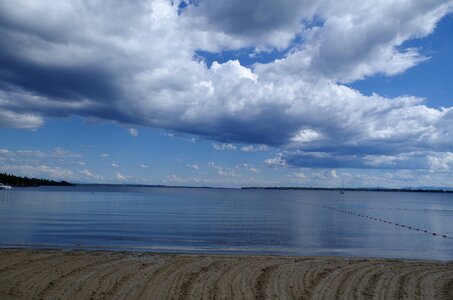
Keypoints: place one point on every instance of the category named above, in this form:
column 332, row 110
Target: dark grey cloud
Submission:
column 408, row 161
column 252, row 18
column 59, row 82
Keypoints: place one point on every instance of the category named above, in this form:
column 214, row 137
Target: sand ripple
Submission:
column 119, row 275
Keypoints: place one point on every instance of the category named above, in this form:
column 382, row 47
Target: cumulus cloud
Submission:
column 299, row 175
column 193, row 166
column 278, row 161
column 115, row 165
column 252, row 148
column 222, row 147
column 12, row 119
column 143, row 166
column 39, row 171
column 223, row 170
column 60, row 152
column 249, row 168
column 176, row 180
column 262, row 23
column 133, row 132
column 57, row 163
column 218, row 181
column 57, row 62
column 324, row 175
column 121, row 177
column 89, row 174
column 55, row 153
column 183, row 137
column 104, row 155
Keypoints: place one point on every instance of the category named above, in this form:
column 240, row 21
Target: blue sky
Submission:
column 222, row 93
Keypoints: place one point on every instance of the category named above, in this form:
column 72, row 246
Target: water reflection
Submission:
column 228, row 221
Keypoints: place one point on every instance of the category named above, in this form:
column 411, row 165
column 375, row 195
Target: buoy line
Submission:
column 379, row 220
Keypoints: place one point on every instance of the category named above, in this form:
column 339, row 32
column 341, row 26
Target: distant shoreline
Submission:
column 410, row 190
column 279, row 188
column 17, row 181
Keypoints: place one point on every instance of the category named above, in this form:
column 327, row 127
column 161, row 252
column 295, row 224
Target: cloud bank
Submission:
column 135, row 63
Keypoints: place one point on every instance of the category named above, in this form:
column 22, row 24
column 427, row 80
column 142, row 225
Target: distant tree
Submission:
column 17, row 181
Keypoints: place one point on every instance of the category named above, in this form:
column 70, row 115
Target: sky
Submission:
column 228, row 93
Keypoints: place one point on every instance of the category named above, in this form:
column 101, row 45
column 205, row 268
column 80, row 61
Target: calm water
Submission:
column 229, row 221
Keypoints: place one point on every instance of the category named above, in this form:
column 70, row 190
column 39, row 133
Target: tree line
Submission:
column 16, row 181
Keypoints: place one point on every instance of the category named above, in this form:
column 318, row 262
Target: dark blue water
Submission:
column 229, row 221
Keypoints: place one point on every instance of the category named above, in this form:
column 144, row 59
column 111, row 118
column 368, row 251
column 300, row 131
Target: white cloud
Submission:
column 183, row 137
column 115, row 165
column 60, row 152
column 219, row 181
column 251, row 148
column 56, row 164
column 104, row 155
column 277, row 161
column 121, row 177
column 193, row 166
column 227, row 172
column 249, row 168
column 55, row 153
column 37, row 156
column 223, row 170
column 440, row 161
column 12, row 119
column 307, row 136
column 133, row 132
column 175, row 179
column 326, row 175
column 300, row 175
column 88, row 173
column 222, row 147
column 143, row 166
column 39, row 171
column 333, row 174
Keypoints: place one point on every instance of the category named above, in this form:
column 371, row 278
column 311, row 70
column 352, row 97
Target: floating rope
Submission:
column 378, row 219
column 386, row 221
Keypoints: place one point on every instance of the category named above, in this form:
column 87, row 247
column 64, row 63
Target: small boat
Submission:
column 5, row 187
column 342, row 188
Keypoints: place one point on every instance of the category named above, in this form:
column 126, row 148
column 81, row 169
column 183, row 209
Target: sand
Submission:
column 49, row 274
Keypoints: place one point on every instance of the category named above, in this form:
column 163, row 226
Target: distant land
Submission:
column 151, row 185
column 365, row 189
column 17, row 181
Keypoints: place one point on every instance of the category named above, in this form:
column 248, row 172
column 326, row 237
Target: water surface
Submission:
column 229, row 221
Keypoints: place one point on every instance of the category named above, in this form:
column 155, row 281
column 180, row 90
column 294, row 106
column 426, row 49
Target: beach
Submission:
column 57, row 274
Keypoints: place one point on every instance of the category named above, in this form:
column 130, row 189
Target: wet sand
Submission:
column 44, row 274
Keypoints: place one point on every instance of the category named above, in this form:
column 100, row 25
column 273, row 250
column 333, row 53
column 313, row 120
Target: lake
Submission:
column 197, row 220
